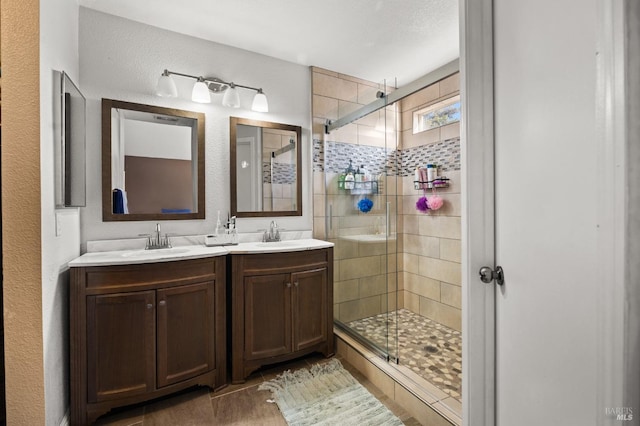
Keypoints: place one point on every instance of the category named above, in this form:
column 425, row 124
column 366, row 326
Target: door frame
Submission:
column 618, row 297
column 478, row 228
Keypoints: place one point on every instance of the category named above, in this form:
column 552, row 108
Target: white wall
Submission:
column 58, row 51
column 546, row 175
column 122, row 59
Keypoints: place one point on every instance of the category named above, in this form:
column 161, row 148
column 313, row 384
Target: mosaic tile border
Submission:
column 282, row 173
column 333, row 157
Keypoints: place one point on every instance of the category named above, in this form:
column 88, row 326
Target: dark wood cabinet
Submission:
column 143, row 331
column 281, row 308
column 185, row 320
column 121, row 348
column 310, row 308
column 267, row 316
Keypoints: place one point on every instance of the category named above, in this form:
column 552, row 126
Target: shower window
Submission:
column 437, row 115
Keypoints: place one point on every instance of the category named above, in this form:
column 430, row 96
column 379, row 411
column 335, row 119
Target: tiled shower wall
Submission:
column 426, row 247
column 430, row 271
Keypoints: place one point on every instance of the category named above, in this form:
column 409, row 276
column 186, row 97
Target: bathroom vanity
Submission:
column 148, row 323
column 281, row 306
column 144, row 326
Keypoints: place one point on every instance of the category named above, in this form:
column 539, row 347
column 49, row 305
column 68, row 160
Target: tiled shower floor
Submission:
column 430, row 349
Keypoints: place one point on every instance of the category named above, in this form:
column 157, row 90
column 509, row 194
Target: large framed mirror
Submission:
column 266, row 176
column 152, row 162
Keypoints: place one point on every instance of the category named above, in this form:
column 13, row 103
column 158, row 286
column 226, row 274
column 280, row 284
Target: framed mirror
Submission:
column 265, row 168
column 70, row 158
column 152, row 162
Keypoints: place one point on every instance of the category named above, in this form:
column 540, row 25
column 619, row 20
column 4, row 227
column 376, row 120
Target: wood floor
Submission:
column 234, row 405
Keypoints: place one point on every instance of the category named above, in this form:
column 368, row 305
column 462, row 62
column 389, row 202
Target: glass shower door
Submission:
column 361, row 209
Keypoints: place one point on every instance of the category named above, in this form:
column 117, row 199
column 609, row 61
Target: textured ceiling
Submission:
column 370, row 39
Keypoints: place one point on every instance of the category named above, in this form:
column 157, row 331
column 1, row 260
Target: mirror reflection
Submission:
column 265, row 169
column 154, row 159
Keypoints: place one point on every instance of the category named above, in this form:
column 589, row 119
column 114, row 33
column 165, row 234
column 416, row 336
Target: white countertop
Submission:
column 136, row 256
column 280, row 246
column 196, row 251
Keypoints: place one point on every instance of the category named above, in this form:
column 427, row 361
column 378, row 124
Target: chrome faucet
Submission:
column 273, row 234
column 158, row 234
column 156, row 241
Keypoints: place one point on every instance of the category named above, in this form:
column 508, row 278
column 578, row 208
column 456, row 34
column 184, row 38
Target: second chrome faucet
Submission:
column 156, row 241
column 273, row 234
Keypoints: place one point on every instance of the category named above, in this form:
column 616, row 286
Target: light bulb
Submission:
column 166, row 87
column 260, row 103
column 200, row 92
column 231, row 98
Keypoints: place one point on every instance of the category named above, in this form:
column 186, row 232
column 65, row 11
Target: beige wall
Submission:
column 430, row 271
column 21, row 220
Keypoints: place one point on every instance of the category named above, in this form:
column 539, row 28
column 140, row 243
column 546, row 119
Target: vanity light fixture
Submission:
column 200, row 92
column 166, row 86
column 231, row 98
column 260, row 103
column 204, row 85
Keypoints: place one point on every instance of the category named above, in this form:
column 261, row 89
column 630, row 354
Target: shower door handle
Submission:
column 488, row 275
column 388, row 219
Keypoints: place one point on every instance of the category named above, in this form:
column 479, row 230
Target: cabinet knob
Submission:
column 149, row 305
column 163, row 302
column 296, row 283
column 288, row 284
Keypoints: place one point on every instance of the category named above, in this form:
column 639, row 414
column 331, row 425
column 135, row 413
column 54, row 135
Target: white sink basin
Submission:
column 127, row 257
column 155, row 253
column 279, row 246
column 276, row 244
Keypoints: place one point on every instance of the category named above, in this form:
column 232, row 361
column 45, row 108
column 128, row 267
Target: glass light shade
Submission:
column 166, row 87
column 260, row 103
column 231, row 98
column 200, row 93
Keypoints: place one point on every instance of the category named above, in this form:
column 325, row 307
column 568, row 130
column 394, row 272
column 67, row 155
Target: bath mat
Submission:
column 326, row 394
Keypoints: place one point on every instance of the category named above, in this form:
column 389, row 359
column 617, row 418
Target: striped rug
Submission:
column 326, row 394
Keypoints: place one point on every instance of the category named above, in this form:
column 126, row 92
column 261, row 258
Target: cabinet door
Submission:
column 121, row 349
column 310, row 304
column 186, row 325
column 267, row 313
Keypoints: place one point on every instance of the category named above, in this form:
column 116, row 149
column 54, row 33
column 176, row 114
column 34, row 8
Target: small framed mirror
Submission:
column 265, row 168
column 152, row 162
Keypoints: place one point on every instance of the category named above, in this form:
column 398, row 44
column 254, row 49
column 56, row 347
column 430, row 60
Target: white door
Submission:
column 546, row 203
column 544, row 95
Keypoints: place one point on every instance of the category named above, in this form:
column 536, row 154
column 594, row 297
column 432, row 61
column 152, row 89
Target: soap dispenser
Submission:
column 219, row 227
